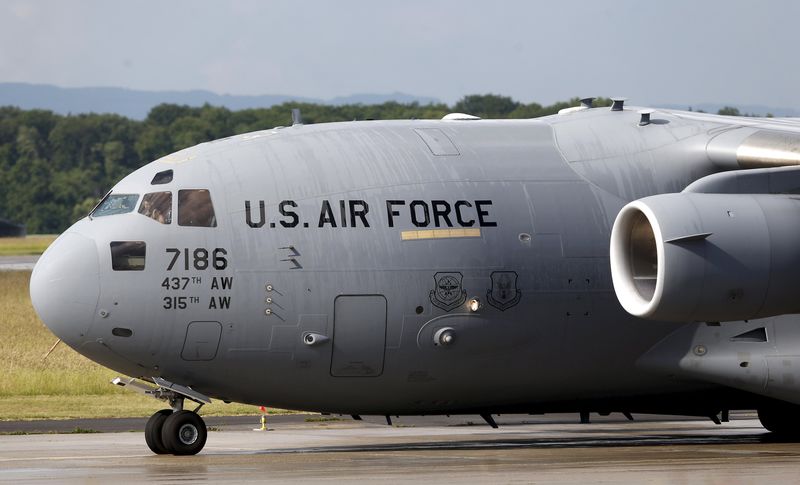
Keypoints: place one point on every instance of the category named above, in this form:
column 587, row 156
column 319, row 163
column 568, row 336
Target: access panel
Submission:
column 359, row 335
column 202, row 341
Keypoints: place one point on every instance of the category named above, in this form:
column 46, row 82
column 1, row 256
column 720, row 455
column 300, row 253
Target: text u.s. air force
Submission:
column 360, row 213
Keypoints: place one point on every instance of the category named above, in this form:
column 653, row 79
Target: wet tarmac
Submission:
column 528, row 449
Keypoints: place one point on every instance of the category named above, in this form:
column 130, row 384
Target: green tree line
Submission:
column 54, row 168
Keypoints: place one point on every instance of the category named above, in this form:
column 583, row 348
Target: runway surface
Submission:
column 17, row 263
column 540, row 449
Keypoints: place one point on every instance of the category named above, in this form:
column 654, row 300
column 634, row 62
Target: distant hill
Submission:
column 136, row 104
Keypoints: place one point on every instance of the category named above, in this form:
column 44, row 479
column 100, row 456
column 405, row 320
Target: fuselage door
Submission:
column 359, row 335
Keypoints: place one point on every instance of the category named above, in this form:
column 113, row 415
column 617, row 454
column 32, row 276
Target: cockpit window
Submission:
column 128, row 255
column 164, row 177
column 115, row 204
column 195, row 208
column 157, row 206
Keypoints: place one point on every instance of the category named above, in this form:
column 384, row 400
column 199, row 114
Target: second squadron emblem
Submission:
column 504, row 293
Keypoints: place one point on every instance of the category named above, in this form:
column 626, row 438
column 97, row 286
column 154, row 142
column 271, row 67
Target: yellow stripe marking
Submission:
column 439, row 234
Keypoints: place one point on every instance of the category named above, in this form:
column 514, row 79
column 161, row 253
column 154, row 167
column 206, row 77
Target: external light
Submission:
column 444, row 337
column 474, row 304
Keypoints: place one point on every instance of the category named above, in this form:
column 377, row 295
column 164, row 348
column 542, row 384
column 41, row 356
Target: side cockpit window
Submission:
column 195, row 208
column 128, row 255
column 157, row 206
column 114, row 204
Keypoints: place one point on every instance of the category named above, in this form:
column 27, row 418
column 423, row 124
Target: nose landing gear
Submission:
column 172, row 431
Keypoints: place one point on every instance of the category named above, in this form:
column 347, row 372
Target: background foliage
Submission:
column 54, row 168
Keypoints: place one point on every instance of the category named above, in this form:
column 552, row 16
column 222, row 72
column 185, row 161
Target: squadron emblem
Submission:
column 504, row 293
column 447, row 293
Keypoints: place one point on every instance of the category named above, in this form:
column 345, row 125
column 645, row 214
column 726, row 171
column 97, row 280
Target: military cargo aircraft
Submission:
column 599, row 260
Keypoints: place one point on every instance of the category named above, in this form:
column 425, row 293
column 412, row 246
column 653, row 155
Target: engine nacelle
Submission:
column 708, row 257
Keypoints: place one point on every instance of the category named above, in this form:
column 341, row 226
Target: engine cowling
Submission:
column 707, row 257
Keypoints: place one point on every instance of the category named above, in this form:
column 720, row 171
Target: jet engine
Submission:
column 708, row 256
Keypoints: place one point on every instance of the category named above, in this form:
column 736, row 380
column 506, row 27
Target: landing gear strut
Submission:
column 172, row 431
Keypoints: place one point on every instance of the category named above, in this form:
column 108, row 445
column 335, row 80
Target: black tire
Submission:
column 782, row 418
column 152, row 432
column 184, row 433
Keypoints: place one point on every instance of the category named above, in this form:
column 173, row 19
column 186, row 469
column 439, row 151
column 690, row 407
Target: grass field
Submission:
column 66, row 384
column 24, row 246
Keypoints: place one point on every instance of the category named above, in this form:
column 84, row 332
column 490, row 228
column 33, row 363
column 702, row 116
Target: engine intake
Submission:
column 707, row 257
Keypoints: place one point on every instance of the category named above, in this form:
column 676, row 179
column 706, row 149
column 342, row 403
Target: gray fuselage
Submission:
column 371, row 237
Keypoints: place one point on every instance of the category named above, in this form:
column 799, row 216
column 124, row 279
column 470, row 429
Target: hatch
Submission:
column 202, row 341
column 359, row 335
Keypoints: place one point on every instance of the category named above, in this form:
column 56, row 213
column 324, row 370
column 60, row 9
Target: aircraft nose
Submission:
column 65, row 286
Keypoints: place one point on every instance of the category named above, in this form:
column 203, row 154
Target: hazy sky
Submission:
column 676, row 51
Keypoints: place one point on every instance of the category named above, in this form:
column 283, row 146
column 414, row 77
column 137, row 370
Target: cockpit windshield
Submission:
column 115, row 204
column 195, row 208
column 157, row 206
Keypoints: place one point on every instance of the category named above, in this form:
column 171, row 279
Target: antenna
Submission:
column 645, row 119
column 297, row 118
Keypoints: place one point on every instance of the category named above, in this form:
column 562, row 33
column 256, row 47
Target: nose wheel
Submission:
column 152, row 432
column 184, row 433
column 177, row 433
